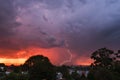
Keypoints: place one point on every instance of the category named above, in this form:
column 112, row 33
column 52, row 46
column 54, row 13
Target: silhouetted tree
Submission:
column 102, row 58
column 106, row 65
column 117, row 56
column 39, row 67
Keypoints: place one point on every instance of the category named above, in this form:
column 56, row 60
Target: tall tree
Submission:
column 117, row 62
column 39, row 67
column 102, row 58
column 117, row 56
column 106, row 65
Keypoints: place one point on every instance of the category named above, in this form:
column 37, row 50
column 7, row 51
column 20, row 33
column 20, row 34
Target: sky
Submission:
column 66, row 31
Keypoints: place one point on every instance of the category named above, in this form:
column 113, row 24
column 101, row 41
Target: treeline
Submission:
column 106, row 66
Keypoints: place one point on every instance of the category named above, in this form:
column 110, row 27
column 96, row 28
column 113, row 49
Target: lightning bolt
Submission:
column 70, row 54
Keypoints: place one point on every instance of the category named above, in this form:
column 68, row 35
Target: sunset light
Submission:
column 65, row 31
column 59, row 39
column 12, row 61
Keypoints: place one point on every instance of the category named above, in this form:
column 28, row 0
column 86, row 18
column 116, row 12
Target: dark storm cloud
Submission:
column 7, row 17
column 50, row 4
column 94, row 25
column 10, row 39
column 8, row 24
column 85, row 25
column 95, row 22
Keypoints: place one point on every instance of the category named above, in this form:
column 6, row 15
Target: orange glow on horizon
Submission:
column 21, row 56
column 20, row 61
column 55, row 55
column 83, row 61
column 12, row 61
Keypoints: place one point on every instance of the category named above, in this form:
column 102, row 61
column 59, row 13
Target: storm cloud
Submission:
column 85, row 25
column 7, row 18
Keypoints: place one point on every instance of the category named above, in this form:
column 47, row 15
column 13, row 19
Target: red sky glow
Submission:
column 65, row 31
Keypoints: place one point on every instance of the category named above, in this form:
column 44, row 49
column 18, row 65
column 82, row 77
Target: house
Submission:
column 81, row 70
column 8, row 71
column 2, row 69
column 59, row 76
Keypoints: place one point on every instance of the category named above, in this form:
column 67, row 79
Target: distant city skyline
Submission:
column 66, row 31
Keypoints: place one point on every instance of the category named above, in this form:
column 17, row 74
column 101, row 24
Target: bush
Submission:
column 15, row 76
